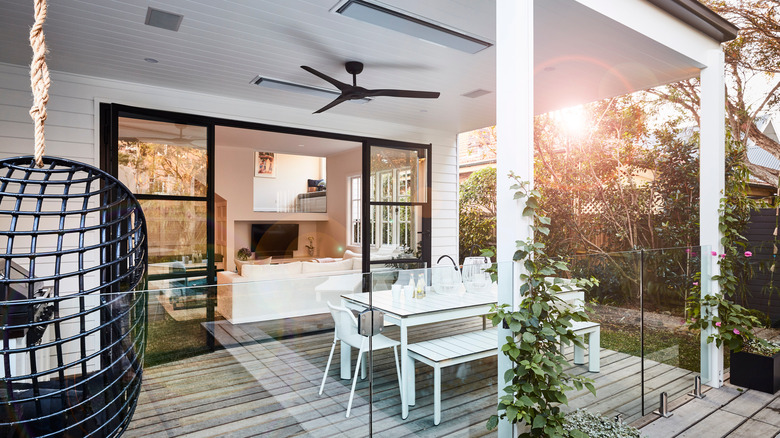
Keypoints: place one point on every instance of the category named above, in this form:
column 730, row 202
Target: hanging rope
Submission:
column 39, row 79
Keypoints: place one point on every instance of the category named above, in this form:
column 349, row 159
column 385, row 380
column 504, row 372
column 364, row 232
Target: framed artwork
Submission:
column 265, row 164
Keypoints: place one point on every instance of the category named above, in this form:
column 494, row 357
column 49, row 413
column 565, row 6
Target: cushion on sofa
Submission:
column 312, row 267
column 350, row 254
column 325, row 260
column 270, row 272
column 240, row 263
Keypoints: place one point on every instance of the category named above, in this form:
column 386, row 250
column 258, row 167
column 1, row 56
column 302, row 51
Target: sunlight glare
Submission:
column 573, row 121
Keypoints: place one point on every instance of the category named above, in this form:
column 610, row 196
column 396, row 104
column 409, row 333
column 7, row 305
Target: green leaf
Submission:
column 539, row 422
column 511, row 413
column 493, row 422
column 529, row 338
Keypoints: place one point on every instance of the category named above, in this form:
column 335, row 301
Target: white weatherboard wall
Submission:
column 71, row 128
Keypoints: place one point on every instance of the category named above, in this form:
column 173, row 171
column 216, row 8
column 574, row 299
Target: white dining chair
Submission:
column 347, row 332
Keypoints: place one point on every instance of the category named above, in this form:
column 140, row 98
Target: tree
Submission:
column 751, row 69
column 477, row 212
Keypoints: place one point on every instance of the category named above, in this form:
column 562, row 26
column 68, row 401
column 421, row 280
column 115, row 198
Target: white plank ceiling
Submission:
column 223, row 44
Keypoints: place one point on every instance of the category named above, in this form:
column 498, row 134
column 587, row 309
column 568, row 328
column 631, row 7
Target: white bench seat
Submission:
column 581, row 328
column 457, row 349
column 444, row 352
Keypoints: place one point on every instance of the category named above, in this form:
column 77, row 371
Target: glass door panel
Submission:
column 166, row 166
column 166, row 162
column 402, row 174
column 166, row 159
column 398, row 210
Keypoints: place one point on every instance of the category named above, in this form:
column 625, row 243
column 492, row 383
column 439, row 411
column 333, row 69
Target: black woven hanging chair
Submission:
column 72, row 251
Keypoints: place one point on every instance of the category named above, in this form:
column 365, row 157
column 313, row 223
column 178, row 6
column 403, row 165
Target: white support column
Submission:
column 514, row 151
column 712, row 162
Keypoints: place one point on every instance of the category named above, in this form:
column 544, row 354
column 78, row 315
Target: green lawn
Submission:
column 170, row 340
column 676, row 348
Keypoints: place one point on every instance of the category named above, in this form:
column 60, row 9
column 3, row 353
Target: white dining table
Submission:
column 407, row 313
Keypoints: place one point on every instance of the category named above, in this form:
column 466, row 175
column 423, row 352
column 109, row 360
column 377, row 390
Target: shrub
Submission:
column 596, row 426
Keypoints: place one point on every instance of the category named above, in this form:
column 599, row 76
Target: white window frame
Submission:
column 354, row 209
column 396, row 220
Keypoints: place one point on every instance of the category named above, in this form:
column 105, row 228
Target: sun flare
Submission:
column 573, row 120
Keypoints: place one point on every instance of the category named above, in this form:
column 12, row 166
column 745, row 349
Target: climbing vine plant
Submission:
column 734, row 325
column 542, row 322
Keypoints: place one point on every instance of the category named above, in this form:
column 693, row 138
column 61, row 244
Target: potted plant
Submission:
column 755, row 363
column 310, row 246
column 243, row 254
column 757, row 366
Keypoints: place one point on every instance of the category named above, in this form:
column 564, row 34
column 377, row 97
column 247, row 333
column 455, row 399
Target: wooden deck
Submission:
column 260, row 384
column 724, row 412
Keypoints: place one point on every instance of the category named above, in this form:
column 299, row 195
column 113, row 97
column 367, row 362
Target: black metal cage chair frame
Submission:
column 73, row 250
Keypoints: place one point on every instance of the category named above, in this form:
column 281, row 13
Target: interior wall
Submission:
column 333, row 232
column 279, row 193
column 235, row 182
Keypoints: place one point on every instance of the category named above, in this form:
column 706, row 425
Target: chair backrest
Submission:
column 346, row 323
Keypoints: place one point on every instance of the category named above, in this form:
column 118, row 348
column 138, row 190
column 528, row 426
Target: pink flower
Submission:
column 693, row 320
column 736, row 332
column 688, row 250
column 748, row 254
column 695, row 283
column 714, row 253
column 717, row 324
column 723, row 256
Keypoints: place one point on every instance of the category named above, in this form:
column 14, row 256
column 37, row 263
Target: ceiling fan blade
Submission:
column 403, row 93
column 337, row 101
column 338, row 84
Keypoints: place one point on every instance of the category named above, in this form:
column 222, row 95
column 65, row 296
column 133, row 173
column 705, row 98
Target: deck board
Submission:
column 260, row 384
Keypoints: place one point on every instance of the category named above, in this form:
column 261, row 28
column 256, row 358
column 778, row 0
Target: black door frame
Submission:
column 368, row 203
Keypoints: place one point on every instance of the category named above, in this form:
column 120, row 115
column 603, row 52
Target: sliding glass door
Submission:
column 397, row 187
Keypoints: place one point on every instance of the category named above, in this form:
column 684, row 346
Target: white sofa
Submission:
column 267, row 292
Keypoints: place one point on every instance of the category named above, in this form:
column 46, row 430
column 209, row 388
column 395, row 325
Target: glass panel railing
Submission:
column 640, row 303
column 248, row 356
column 616, row 305
column 257, row 366
column 671, row 351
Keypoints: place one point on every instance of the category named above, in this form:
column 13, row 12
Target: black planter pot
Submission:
column 754, row 371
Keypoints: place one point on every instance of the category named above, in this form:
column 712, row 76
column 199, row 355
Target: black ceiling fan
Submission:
column 353, row 92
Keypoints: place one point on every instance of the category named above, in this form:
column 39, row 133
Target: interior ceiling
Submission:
column 195, row 137
column 580, row 55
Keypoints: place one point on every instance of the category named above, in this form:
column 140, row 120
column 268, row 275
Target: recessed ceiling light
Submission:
column 414, row 26
column 299, row 88
column 151, row 60
column 163, row 19
column 476, row 93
